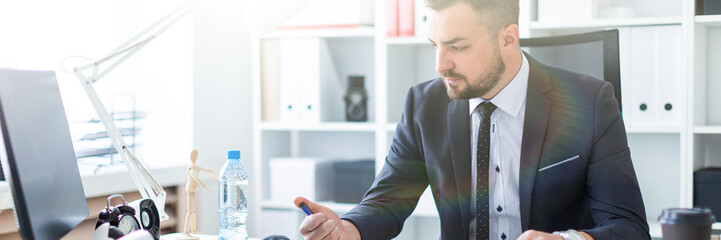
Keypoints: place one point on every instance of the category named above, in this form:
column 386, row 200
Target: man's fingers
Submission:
column 299, row 200
column 334, row 233
column 312, row 222
column 322, row 231
column 312, row 206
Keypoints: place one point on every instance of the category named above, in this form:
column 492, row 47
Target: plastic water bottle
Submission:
column 232, row 199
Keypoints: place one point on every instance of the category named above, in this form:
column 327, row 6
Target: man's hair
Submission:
column 497, row 14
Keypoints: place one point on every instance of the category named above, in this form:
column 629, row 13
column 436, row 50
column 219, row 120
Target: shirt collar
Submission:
column 510, row 99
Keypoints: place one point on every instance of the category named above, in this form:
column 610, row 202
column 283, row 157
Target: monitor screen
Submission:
column 37, row 155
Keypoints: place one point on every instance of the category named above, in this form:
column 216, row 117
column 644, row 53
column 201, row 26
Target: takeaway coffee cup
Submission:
column 686, row 223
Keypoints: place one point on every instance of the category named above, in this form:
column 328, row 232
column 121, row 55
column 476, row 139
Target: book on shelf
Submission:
column 392, row 18
column 405, row 18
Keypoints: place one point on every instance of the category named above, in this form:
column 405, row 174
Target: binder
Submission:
column 308, row 86
column 670, row 65
column 269, row 75
column 392, row 18
column 655, row 71
column 420, row 14
column 289, row 72
column 405, row 18
column 643, row 76
column 306, row 66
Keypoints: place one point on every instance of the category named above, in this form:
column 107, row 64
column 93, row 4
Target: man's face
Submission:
column 467, row 55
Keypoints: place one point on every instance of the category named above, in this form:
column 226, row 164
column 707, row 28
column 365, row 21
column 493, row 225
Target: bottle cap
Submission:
column 234, row 154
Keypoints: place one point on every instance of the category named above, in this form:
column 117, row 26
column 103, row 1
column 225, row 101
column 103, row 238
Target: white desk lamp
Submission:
column 260, row 20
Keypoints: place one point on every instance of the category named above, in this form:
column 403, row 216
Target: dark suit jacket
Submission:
column 567, row 115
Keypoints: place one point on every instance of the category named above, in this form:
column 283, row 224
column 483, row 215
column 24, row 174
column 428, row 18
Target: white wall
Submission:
column 45, row 35
column 222, row 98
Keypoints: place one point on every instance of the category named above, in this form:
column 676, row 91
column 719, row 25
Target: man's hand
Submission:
column 324, row 223
column 538, row 235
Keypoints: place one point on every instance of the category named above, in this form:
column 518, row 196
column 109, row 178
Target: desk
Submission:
column 202, row 237
column 110, row 180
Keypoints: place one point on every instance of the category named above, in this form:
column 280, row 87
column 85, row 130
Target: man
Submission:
column 512, row 148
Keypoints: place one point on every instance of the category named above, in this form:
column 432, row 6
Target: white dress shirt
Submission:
column 505, row 156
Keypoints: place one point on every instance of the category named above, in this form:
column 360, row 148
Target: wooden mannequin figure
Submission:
column 190, row 188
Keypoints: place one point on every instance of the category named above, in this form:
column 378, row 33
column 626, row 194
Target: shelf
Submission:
column 653, row 130
column 116, row 179
column 707, row 130
column 709, row 20
column 606, row 23
column 324, row 126
column 407, row 41
column 321, row 33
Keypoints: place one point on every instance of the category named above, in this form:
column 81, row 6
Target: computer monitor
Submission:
column 37, row 155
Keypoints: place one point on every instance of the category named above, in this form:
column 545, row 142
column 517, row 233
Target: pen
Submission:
column 305, row 208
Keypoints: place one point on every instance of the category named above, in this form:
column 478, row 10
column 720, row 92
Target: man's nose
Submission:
column 443, row 61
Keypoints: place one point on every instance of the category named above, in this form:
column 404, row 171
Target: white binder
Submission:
column 289, row 73
column 643, row 76
column 420, row 13
column 309, row 105
column 669, row 79
column 306, row 66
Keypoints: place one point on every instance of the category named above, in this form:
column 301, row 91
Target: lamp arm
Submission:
column 147, row 185
column 132, row 46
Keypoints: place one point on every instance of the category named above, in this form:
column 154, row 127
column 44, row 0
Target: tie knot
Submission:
column 486, row 109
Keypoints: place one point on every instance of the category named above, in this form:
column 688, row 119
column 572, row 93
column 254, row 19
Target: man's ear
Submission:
column 508, row 38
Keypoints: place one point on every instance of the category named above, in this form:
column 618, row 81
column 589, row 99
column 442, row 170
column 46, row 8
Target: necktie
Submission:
column 482, row 159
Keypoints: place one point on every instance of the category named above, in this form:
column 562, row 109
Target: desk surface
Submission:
column 172, row 236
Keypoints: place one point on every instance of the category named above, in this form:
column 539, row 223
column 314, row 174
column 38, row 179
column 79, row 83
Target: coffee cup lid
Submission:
column 686, row 216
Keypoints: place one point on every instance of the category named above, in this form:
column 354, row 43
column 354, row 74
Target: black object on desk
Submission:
column 707, row 189
column 276, row 237
column 352, row 180
column 38, row 157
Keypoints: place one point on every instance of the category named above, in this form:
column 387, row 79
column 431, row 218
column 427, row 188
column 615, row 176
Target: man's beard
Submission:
column 481, row 86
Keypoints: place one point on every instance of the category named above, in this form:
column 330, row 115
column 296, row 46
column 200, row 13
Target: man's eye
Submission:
column 458, row 49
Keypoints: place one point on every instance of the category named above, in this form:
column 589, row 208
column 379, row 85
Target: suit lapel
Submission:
column 459, row 136
column 538, row 109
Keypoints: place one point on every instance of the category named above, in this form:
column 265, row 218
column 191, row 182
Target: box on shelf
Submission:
column 708, row 7
column 353, row 179
column 555, row 11
column 706, row 194
column 333, row 14
column 311, row 178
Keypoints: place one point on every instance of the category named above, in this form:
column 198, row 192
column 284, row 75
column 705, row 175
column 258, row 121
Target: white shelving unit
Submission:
column 665, row 156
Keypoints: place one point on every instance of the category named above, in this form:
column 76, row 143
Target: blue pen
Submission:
column 305, row 208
